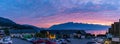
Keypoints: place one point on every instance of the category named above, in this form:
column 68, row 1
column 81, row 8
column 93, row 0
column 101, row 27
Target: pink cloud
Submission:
column 102, row 18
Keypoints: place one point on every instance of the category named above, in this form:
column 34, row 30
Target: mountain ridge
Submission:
column 63, row 26
column 4, row 22
column 83, row 26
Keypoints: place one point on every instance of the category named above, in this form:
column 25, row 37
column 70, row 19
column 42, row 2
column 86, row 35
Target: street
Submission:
column 73, row 41
column 19, row 41
column 80, row 41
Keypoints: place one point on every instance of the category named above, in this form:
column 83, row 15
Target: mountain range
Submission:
column 78, row 26
column 4, row 22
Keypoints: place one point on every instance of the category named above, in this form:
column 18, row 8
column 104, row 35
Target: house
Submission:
column 64, row 33
column 20, row 32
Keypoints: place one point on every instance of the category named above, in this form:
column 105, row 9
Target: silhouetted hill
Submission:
column 77, row 26
column 4, row 22
column 26, row 26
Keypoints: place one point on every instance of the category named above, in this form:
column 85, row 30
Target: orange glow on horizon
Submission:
column 47, row 25
column 96, row 32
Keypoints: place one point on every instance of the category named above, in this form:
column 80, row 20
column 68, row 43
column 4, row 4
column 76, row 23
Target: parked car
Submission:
column 93, row 43
column 99, row 40
column 6, row 40
column 44, row 41
column 32, row 39
column 38, row 41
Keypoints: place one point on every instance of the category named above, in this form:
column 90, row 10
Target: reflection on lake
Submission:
column 96, row 32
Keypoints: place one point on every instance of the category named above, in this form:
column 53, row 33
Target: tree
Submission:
column 6, row 31
column 40, row 35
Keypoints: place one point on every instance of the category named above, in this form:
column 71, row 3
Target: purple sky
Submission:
column 44, row 13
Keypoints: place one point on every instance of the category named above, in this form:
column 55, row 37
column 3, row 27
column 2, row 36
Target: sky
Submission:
column 45, row 13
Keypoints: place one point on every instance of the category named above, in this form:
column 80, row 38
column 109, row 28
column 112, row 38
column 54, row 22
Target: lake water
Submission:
column 96, row 32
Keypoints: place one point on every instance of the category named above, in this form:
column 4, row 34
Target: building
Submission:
column 2, row 33
column 20, row 32
column 115, row 31
column 64, row 33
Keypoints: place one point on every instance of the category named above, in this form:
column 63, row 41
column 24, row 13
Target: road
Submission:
column 73, row 41
column 19, row 41
column 80, row 41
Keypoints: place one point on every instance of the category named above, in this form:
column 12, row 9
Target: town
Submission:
column 32, row 35
column 59, row 21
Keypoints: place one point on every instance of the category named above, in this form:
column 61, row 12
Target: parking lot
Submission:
column 20, row 41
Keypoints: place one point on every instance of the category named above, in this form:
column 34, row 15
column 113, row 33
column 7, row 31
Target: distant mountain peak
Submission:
column 83, row 26
column 4, row 22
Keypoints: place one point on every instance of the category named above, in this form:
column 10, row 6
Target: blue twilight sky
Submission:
column 44, row 13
